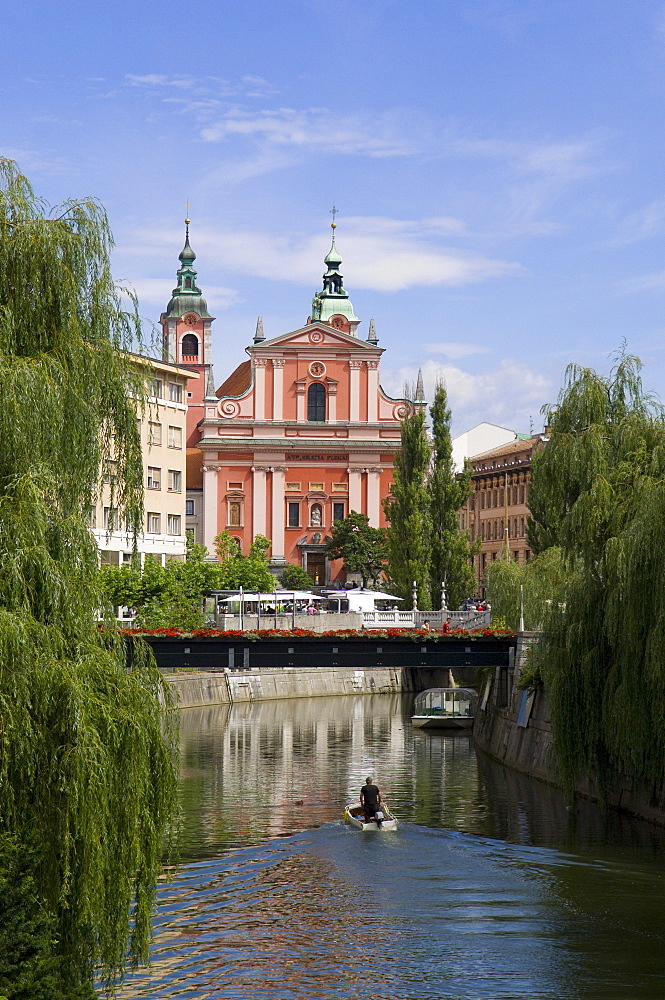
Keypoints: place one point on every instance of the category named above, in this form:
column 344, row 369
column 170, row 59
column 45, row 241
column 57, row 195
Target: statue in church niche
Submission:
column 315, row 516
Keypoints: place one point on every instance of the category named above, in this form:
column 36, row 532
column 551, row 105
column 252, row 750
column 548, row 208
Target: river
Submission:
column 490, row 888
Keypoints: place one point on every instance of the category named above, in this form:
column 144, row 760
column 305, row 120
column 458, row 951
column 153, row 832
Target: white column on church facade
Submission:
column 259, row 366
column 210, row 507
column 372, row 390
column 373, row 496
column 300, row 400
column 277, row 387
column 355, row 490
column 354, row 390
column 332, row 401
column 278, row 511
column 259, row 525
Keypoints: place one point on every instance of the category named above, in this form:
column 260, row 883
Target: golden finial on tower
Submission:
column 333, row 225
column 187, row 220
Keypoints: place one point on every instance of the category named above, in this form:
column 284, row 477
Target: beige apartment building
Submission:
column 163, row 437
column 497, row 511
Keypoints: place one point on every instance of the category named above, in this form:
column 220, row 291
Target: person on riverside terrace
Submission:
column 370, row 800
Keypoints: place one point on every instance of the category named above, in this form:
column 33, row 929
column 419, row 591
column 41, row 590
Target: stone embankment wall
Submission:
column 515, row 728
column 225, row 687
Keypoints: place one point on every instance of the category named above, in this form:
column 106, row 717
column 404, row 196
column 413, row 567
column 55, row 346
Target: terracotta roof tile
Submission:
column 237, row 382
column 517, row 447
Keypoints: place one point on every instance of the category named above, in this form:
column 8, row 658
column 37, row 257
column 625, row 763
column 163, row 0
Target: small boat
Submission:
column 445, row 708
column 356, row 817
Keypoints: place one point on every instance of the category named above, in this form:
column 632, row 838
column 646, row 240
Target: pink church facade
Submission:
column 298, row 436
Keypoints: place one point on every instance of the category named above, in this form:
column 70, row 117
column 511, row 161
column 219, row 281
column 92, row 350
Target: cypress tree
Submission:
column 450, row 549
column 85, row 768
column 407, row 510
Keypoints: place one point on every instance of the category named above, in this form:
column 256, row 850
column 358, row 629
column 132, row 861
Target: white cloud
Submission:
column 314, row 128
column 510, row 394
column 643, row 224
column 386, row 255
column 646, row 282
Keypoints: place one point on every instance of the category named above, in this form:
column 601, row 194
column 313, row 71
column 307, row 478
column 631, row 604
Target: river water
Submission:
column 490, row 888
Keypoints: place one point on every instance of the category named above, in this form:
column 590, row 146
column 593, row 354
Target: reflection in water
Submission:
column 538, row 903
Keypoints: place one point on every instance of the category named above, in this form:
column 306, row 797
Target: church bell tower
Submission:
column 187, row 336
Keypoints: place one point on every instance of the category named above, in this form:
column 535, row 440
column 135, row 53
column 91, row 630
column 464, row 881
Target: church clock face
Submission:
column 317, row 369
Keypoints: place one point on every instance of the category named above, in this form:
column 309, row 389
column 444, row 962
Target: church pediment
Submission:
column 315, row 335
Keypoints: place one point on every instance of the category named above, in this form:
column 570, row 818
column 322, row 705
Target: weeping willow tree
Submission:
column 531, row 588
column 598, row 493
column 86, row 773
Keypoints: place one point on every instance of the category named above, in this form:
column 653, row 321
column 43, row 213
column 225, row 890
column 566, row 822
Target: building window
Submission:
column 173, row 524
column 175, row 481
column 175, row 437
column 154, row 433
column 155, row 387
column 154, row 480
column 293, row 515
column 316, row 515
column 527, row 555
column 110, row 471
column 92, row 517
column 316, row 402
column 338, row 511
column 190, row 345
column 189, row 533
column 110, row 519
column 175, row 392
column 189, row 508
column 235, row 514
column 154, row 522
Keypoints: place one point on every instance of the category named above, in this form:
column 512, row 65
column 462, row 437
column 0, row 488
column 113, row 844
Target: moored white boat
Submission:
column 445, row 708
column 355, row 816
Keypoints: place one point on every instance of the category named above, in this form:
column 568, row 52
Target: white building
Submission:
column 163, row 438
column 481, row 438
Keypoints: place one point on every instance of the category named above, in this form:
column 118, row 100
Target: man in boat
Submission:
column 370, row 800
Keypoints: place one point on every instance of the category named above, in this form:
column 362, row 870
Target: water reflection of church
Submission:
column 296, row 437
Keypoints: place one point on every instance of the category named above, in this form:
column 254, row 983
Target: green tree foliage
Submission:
column 598, row 492
column 236, row 570
column 29, row 963
column 541, row 579
column 407, row 510
column 362, row 547
column 84, row 766
column 294, row 577
column 451, row 550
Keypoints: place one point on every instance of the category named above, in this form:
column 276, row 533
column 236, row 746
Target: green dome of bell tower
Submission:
column 332, row 304
column 186, row 296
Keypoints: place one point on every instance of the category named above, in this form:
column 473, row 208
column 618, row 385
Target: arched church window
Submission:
column 316, row 402
column 190, row 345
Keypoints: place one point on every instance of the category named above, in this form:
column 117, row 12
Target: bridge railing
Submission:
column 436, row 619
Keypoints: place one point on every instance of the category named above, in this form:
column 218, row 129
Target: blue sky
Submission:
column 497, row 166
